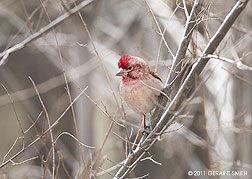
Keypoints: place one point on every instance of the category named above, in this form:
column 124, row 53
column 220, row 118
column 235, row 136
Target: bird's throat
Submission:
column 129, row 80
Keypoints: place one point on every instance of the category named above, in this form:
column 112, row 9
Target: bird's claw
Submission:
column 131, row 152
column 146, row 130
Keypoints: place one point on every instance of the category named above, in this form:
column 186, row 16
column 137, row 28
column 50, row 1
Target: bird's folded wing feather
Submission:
column 154, row 74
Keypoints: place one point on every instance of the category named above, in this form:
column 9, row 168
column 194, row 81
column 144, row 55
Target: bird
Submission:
column 140, row 85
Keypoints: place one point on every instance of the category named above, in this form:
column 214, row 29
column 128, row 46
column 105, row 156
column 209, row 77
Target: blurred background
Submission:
column 213, row 133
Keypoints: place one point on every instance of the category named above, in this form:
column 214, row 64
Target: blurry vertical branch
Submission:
column 168, row 116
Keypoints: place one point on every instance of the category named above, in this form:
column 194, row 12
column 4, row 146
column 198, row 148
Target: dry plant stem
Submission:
column 103, row 144
column 99, row 57
column 51, row 83
column 134, row 157
column 185, row 9
column 5, row 54
column 15, row 112
column 63, row 164
column 75, row 122
column 237, row 27
column 104, row 70
column 238, row 64
column 23, row 28
column 52, row 140
column 158, row 54
column 143, row 176
column 38, row 138
column 27, row 160
column 183, row 46
column 159, row 29
column 109, row 169
column 238, row 77
column 49, row 125
column 113, row 121
column 14, row 143
column 161, row 39
column 72, row 107
column 75, row 138
column 33, row 122
column 22, row 137
column 138, row 134
column 151, row 159
column 67, row 88
column 102, row 110
column 71, row 135
column 180, row 55
column 106, row 172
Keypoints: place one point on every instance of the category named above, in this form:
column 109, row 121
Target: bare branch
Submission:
column 27, row 160
column 14, row 109
column 239, row 77
column 238, row 64
column 52, row 83
column 167, row 117
column 159, row 29
column 185, row 9
column 5, row 54
column 183, row 46
column 75, row 138
column 48, row 121
column 103, row 67
column 180, row 55
column 38, row 138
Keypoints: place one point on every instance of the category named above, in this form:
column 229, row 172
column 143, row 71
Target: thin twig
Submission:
column 60, row 156
column 103, row 144
column 238, row 64
column 161, row 39
column 14, row 143
column 5, row 54
column 109, row 169
column 239, row 77
column 151, row 159
column 27, row 160
column 159, row 29
column 49, row 123
column 51, row 83
column 75, row 138
column 15, row 112
column 180, row 55
column 103, row 67
column 33, row 123
column 183, row 46
column 39, row 137
column 185, row 9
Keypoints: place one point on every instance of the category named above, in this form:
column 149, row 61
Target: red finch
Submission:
column 140, row 85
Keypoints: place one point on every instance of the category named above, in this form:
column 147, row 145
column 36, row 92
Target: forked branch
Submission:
column 167, row 117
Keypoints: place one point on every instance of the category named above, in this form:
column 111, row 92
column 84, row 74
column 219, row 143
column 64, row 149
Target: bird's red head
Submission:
column 124, row 61
column 132, row 67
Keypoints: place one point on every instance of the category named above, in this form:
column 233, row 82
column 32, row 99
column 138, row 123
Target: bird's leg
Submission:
column 146, row 127
column 144, row 118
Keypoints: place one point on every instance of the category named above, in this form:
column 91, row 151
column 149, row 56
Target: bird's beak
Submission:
column 121, row 72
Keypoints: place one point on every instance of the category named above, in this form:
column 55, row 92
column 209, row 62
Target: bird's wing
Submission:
column 154, row 74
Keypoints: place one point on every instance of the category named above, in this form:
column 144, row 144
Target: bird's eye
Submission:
column 130, row 68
